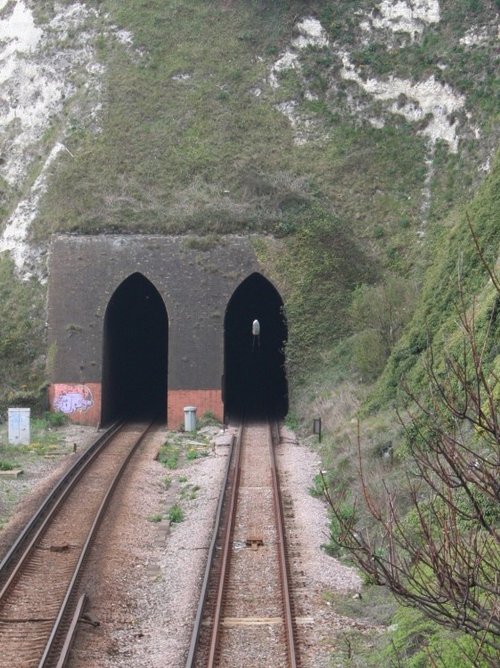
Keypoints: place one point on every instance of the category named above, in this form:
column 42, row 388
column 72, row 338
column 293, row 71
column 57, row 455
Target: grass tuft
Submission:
column 176, row 514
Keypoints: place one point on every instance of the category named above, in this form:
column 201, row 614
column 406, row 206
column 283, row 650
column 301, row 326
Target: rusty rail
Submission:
column 59, row 642
column 226, row 553
column 70, row 636
column 224, row 526
column 52, row 654
column 52, row 499
column 219, row 524
column 288, row 614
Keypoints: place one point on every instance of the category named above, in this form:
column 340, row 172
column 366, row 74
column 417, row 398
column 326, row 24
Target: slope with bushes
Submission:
column 423, row 518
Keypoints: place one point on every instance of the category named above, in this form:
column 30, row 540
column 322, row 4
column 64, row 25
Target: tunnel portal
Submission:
column 255, row 383
column 135, row 354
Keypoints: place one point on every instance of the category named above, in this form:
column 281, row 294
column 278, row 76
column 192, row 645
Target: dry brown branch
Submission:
column 445, row 561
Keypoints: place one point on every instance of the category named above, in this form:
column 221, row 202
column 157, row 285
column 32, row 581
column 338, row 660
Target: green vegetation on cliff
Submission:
column 457, row 272
column 22, row 332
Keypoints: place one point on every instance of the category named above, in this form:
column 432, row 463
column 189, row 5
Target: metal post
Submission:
column 317, row 427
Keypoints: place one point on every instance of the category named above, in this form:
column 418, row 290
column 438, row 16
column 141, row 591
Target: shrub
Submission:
column 441, row 555
column 346, row 515
column 384, row 308
column 369, row 354
column 292, row 421
column 318, row 487
column 418, row 642
column 55, row 419
column 208, row 419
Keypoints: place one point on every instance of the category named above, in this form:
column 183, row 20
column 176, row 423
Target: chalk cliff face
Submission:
column 52, row 81
column 49, row 74
column 414, row 100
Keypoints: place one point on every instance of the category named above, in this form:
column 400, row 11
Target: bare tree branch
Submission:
column 446, row 563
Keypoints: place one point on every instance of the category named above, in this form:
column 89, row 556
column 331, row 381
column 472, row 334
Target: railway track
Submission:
column 40, row 574
column 245, row 616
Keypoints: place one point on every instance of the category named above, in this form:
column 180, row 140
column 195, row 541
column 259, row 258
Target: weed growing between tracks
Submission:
column 189, row 492
column 169, row 455
column 179, row 450
column 175, row 514
column 183, row 445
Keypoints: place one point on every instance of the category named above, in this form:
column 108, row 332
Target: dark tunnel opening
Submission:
column 135, row 355
column 255, row 383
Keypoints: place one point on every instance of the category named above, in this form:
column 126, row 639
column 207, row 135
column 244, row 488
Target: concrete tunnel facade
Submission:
column 149, row 324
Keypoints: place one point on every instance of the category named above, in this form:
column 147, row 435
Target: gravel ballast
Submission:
column 144, row 586
column 20, row 497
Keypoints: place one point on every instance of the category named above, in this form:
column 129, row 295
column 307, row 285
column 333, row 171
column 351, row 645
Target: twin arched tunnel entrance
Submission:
column 135, row 352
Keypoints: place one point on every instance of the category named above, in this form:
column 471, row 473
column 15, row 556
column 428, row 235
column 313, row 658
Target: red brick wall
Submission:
column 80, row 402
column 204, row 400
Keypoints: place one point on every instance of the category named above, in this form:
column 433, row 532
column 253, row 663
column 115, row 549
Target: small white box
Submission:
column 19, row 426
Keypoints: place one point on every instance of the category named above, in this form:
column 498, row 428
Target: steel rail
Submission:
column 70, row 636
column 65, row 609
column 288, row 615
column 226, row 555
column 52, row 498
column 211, row 556
column 225, row 525
column 36, row 527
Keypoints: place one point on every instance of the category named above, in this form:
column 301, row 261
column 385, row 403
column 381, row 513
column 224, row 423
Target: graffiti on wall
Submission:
column 72, row 398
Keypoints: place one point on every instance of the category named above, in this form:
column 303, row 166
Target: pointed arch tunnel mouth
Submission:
column 255, row 383
column 135, row 352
